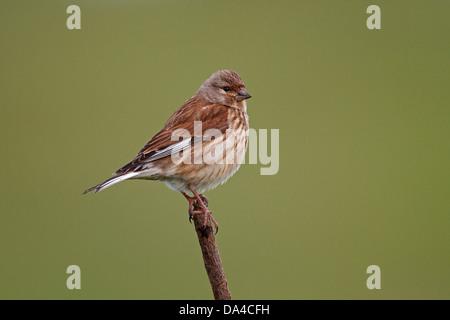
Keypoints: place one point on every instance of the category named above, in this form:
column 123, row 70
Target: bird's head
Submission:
column 226, row 88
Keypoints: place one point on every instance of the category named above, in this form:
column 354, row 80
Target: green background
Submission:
column 364, row 148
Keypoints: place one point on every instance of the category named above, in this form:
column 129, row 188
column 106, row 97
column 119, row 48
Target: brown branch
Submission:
column 211, row 258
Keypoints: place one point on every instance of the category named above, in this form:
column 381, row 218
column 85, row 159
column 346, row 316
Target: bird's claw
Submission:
column 199, row 204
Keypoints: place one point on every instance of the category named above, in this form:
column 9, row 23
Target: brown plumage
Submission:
column 201, row 145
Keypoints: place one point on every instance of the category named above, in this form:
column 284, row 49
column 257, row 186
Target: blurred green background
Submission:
column 364, row 148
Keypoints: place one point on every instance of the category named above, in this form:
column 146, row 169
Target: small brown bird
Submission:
column 213, row 126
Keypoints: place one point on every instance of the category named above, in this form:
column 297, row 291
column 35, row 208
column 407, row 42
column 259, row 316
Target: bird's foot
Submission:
column 198, row 204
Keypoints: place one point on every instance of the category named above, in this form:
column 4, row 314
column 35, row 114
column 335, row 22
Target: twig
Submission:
column 211, row 258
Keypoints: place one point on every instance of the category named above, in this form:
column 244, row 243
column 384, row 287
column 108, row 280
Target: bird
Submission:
column 202, row 144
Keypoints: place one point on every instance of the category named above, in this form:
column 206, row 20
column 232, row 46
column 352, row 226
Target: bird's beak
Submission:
column 242, row 95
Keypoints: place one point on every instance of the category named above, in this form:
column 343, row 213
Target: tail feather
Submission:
column 111, row 181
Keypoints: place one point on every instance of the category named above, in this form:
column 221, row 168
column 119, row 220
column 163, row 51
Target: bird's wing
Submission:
column 181, row 126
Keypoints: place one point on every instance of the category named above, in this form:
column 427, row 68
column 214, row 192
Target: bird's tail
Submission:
column 108, row 183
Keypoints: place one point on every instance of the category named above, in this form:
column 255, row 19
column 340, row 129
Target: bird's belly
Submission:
column 220, row 160
column 203, row 178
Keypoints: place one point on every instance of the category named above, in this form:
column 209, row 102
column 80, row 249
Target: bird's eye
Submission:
column 226, row 89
